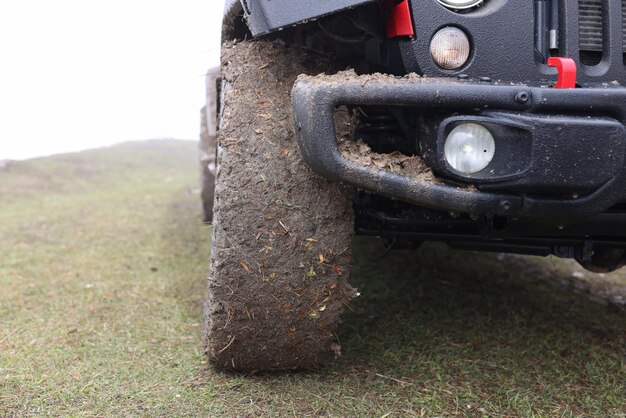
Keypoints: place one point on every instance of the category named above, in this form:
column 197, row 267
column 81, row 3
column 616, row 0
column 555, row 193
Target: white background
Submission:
column 78, row 74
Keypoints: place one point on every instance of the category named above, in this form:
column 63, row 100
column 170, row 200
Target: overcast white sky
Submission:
column 78, row 74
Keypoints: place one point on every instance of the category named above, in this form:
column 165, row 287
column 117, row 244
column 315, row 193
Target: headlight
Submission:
column 450, row 48
column 469, row 148
column 460, row 4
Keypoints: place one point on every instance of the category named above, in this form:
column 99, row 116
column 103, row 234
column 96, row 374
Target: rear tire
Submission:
column 208, row 143
column 282, row 236
column 207, row 169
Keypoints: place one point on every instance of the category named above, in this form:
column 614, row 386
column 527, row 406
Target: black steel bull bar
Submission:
column 315, row 100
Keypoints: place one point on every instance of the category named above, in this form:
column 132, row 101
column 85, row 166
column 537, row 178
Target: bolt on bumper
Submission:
column 315, row 100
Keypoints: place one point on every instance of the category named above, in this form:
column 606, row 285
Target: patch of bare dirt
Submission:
column 604, row 288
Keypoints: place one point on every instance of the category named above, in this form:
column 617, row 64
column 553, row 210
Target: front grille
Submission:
column 591, row 17
column 591, row 24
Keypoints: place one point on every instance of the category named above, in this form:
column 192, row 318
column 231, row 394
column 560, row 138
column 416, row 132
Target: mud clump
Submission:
column 395, row 162
column 356, row 150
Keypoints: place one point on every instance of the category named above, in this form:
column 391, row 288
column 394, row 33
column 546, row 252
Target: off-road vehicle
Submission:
column 493, row 125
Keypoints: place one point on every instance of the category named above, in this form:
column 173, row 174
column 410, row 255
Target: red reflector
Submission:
column 399, row 22
column 567, row 72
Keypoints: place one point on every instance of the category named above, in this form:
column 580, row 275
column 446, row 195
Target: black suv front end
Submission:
column 517, row 109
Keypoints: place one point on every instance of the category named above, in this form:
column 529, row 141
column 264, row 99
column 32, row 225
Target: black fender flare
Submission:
column 265, row 16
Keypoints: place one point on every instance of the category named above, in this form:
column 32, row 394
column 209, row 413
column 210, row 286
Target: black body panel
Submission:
column 503, row 39
column 264, row 16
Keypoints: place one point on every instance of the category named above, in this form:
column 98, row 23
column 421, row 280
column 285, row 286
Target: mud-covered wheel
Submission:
column 207, row 170
column 208, row 143
column 282, row 236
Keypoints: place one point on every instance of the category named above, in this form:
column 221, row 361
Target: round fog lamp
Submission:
column 469, row 148
column 459, row 4
column 450, row 48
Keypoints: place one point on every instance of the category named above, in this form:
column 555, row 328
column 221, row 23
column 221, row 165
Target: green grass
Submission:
column 102, row 273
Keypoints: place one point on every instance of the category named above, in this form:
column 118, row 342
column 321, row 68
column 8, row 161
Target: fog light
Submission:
column 460, row 4
column 469, row 148
column 450, row 48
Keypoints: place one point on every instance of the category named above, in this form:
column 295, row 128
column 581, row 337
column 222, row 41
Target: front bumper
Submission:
column 576, row 137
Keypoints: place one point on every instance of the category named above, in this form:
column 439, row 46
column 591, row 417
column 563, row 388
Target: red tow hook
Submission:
column 567, row 72
column 399, row 22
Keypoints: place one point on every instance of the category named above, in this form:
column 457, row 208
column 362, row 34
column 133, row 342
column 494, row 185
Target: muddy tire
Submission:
column 282, row 237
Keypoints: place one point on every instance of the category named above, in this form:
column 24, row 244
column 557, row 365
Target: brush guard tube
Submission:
column 315, row 100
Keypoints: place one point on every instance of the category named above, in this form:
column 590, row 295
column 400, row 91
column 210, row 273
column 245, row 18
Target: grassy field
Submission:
column 102, row 275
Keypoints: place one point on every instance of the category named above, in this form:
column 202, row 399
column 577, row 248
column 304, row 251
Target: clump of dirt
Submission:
column 282, row 237
column 341, row 77
column 354, row 149
column 395, row 162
